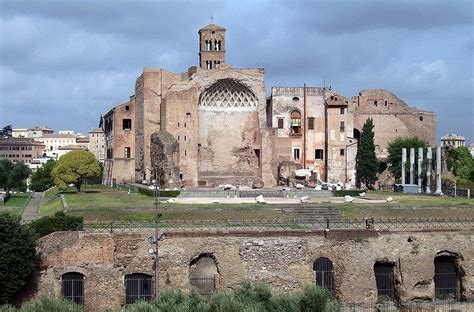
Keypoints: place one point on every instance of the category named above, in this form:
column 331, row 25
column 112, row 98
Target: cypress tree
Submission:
column 366, row 162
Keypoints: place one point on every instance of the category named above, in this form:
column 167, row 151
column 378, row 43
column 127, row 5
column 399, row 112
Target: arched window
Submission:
column 446, row 278
column 138, row 287
column 385, row 280
column 72, row 287
column 203, row 273
column 295, row 122
column 324, row 273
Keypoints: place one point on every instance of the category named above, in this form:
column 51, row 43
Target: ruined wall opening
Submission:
column 295, row 122
column 386, row 282
column 324, row 273
column 448, row 276
column 356, row 134
column 204, row 273
column 72, row 287
column 138, row 287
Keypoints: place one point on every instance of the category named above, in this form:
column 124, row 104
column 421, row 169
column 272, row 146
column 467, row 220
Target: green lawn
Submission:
column 50, row 207
column 101, row 203
column 16, row 204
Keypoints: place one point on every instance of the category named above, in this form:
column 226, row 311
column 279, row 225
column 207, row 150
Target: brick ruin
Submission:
column 229, row 131
column 286, row 261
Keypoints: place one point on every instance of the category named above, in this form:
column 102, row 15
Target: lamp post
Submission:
column 154, row 240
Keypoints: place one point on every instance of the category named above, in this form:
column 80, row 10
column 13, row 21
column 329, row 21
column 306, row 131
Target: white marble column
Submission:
column 420, row 164
column 429, row 157
column 404, row 162
column 412, row 165
column 438, row 171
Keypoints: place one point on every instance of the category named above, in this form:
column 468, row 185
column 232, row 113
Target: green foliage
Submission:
column 75, row 167
column 366, row 161
column 314, row 299
column 41, row 180
column 7, row 308
column 250, row 297
column 59, row 222
column 17, row 257
column 343, row 193
column 395, row 153
column 47, row 304
column 460, row 161
column 13, row 176
column 162, row 193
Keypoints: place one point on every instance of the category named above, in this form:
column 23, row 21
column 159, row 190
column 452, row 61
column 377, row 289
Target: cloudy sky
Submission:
column 63, row 63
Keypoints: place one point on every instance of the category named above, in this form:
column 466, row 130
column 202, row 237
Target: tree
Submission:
column 74, row 167
column 395, row 153
column 13, row 176
column 366, row 161
column 41, row 180
column 17, row 256
column 461, row 162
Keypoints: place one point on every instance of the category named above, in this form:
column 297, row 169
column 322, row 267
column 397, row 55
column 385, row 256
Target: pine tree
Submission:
column 366, row 162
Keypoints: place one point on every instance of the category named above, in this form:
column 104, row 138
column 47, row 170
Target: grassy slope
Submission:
column 105, row 204
column 16, row 204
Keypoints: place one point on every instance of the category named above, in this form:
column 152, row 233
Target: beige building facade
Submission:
column 214, row 125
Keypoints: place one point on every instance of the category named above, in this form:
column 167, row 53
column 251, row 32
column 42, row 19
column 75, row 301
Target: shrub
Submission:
column 162, row 193
column 47, row 304
column 343, row 193
column 59, row 222
column 249, row 297
column 17, row 256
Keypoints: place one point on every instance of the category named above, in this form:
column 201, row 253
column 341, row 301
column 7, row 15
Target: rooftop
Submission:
column 58, row 136
column 212, row 27
column 453, row 136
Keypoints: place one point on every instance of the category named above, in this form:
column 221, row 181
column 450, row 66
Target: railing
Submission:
column 456, row 192
column 278, row 225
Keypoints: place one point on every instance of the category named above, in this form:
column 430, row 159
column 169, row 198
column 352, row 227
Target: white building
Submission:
column 97, row 143
column 454, row 140
column 54, row 142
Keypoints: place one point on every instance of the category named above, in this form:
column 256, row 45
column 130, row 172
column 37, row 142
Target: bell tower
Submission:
column 211, row 46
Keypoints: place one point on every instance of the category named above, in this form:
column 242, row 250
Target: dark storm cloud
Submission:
column 63, row 63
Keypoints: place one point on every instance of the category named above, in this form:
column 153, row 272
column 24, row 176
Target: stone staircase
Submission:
column 312, row 213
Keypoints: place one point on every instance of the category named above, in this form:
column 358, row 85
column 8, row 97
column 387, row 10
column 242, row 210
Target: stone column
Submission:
column 404, row 162
column 420, row 164
column 438, row 171
column 412, row 165
column 429, row 157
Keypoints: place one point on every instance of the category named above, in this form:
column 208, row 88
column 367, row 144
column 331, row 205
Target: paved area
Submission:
column 31, row 210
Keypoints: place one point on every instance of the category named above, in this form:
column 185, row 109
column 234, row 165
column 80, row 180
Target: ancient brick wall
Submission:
column 283, row 260
column 393, row 118
column 286, row 100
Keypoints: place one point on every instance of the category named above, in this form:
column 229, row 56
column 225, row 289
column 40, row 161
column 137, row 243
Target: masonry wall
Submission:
column 393, row 118
column 283, row 260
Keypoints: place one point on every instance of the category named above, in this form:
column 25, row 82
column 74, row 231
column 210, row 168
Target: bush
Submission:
column 250, row 297
column 17, row 256
column 162, row 193
column 46, row 304
column 59, row 222
column 343, row 193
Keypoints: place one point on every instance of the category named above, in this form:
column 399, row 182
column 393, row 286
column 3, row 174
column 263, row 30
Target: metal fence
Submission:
column 278, row 225
column 456, row 192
